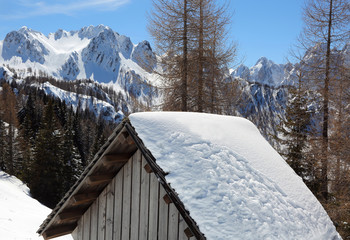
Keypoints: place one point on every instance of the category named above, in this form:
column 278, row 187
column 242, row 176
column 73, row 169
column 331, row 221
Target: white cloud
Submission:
column 30, row 8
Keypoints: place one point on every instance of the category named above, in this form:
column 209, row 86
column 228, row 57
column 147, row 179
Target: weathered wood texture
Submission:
column 132, row 206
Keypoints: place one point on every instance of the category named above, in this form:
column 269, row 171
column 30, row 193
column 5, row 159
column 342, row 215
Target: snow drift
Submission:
column 233, row 183
column 20, row 215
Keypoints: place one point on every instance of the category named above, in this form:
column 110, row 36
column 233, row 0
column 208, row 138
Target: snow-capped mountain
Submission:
column 96, row 53
column 265, row 86
column 264, row 93
column 264, row 72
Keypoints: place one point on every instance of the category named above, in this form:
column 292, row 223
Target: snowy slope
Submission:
column 20, row 215
column 234, row 184
column 93, row 104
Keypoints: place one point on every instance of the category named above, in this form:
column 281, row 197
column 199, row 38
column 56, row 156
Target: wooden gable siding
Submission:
column 132, row 206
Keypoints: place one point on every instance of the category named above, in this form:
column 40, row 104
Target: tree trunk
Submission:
column 325, row 107
column 185, row 61
column 200, row 58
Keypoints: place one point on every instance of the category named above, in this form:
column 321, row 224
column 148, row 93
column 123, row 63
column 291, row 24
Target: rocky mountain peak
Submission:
column 24, row 45
column 92, row 31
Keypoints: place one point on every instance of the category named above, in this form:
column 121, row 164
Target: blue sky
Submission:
column 260, row 27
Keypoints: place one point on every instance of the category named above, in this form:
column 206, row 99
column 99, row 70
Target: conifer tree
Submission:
column 45, row 177
column 70, row 154
column 26, row 138
column 99, row 138
column 2, row 145
column 79, row 135
column 295, row 129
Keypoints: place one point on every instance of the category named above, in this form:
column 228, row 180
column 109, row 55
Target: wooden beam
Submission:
column 85, row 198
column 99, row 179
column 125, row 137
column 129, row 140
column 188, row 232
column 108, row 160
column 59, row 231
column 148, row 168
column 167, row 199
column 70, row 215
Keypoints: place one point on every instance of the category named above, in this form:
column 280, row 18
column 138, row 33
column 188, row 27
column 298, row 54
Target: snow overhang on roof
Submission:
column 118, row 149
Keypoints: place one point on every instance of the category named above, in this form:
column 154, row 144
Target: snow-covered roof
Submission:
column 232, row 182
column 229, row 182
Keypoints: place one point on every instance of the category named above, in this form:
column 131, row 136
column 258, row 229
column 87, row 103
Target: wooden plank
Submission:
column 70, row 215
column 118, row 204
column 75, row 234
column 84, row 198
column 94, row 180
column 110, row 210
column 80, row 229
column 153, row 208
column 102, row 215
column 126, row 200
column 173, row 229
column 144, row 203
column 135, row 196
column 60, row 231
column 108, row 160
column 94, row 220
column 182, row 227
column 86, row 226
column 163, row 215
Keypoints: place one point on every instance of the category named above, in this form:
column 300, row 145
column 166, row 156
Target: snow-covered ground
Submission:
column 20, row 215
column 234, row 184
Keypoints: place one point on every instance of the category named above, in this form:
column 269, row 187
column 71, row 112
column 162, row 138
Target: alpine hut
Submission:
column 188, row 176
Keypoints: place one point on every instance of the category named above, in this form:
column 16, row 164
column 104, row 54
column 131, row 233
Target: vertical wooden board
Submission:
column 110, row 210
column 80, row 229
column 182, row 227
column 153, row 207
column 102, row 215
column 135, row 196
column 173, row 227
column 94, row 220
column 126, row 200
column 86, row 226
column 144, row 203
column 118, row 204
column 75, row 234
column 163, row 215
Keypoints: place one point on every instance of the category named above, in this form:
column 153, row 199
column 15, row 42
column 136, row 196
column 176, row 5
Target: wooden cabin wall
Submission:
column 132, row 207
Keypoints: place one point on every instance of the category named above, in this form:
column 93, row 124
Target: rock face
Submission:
column 95, row 52
column 265, row 72
column 23, row 44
